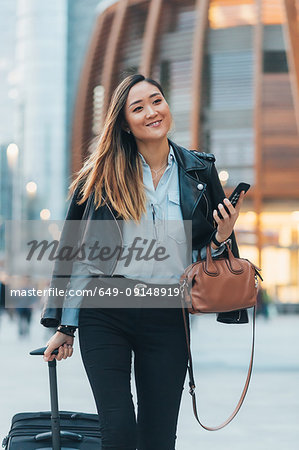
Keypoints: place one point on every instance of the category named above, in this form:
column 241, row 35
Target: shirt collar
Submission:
column 171, row 157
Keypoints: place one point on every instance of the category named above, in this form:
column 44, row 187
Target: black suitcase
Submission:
column 53, row 430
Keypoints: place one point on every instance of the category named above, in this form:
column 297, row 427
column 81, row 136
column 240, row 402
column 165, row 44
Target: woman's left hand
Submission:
column 226, row 225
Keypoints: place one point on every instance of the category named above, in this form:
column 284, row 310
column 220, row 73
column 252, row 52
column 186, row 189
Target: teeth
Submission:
column 154, row 123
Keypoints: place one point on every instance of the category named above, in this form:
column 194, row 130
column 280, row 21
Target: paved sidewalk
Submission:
column 268, row 420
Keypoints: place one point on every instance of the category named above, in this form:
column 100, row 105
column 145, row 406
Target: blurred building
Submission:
column 45, row 44
column 81, row 17
column 5, row 195
column 7, row 96
column 40, row 67
column 40, row 63
column 228, row 68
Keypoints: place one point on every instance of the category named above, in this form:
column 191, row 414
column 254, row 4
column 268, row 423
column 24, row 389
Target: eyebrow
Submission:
column 138, row 101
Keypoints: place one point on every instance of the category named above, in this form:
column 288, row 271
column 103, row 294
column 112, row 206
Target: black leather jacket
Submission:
column 200, row 193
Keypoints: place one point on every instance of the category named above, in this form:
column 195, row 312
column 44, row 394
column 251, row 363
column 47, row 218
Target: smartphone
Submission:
column 234, row 197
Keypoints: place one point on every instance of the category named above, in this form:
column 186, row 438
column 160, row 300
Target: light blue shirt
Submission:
column 163, row 225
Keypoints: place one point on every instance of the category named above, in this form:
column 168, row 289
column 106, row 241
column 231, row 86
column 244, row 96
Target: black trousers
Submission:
column 108, row 337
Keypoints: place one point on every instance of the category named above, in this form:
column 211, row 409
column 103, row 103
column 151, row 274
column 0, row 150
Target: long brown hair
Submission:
column 114, row 170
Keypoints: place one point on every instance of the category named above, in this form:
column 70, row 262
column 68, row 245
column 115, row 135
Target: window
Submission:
column 275, row 62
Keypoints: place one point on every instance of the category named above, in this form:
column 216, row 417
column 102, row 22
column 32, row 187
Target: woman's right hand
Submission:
column 61, row 341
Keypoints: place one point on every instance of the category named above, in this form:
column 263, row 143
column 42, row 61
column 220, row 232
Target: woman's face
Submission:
column 147, row 113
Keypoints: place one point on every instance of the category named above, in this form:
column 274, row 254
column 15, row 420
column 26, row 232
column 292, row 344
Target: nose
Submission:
column 150, row 111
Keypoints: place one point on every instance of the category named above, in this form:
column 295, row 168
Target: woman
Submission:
column 135, row 174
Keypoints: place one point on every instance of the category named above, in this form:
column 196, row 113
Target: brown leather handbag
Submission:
column 214, row 286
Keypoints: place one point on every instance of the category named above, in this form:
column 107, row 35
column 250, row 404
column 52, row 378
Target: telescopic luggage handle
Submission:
column 55, row 434
column 55, row 422
column 41, row 351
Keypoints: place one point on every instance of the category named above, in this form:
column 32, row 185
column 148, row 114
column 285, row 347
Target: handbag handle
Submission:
column 192, row 382
column 234, row 265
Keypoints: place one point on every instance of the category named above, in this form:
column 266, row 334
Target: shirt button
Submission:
column 200, row 187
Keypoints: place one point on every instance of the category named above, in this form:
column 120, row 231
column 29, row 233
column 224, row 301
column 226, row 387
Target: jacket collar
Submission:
column 186, row 159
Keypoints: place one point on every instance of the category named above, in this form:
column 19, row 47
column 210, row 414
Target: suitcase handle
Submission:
column 55, row 434
column 41, row 351
column 63, row 434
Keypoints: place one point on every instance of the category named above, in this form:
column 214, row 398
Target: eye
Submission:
column 138, row 108
column 158, row 100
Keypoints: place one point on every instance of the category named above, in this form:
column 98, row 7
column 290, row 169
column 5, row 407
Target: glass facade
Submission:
column 227, row 122
column 8, row 98
column 81, row 18
column 280, row 251
column 173, row 61
column 8, row 76
column 41, row 66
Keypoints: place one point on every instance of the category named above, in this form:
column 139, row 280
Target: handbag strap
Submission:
column 192, row 382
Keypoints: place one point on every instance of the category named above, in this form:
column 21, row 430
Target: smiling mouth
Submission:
column 154, row 124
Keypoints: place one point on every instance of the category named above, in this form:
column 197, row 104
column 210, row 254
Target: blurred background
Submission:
column 230, row 71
